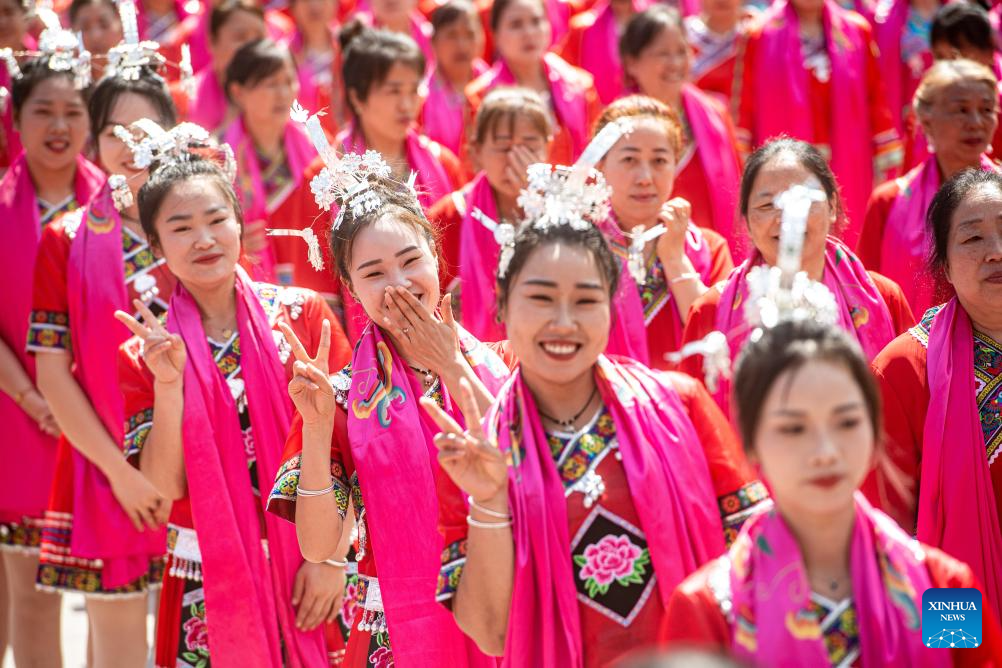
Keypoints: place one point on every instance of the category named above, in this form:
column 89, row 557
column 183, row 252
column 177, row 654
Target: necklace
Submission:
column 569, row 423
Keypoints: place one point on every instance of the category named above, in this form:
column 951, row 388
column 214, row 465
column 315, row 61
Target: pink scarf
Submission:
column 783, row 106
column 11, row 139
column 629, row 324
column 444, row 112
column 956, row 505
column 396, row 472
column 888, row 26
column 209, row 106
column 95, row 285
column 568, row 100
column 298, row 150
column 420, row 30
column 180, row 11
column 250, row 594
column 905, row 247
column 771, row 595
column 433, row 181
column 24, row 489
column 719, row 158
column 310, row 95
column 478, row 262
column 861, row 307
column 669, row 481
column 600, row 51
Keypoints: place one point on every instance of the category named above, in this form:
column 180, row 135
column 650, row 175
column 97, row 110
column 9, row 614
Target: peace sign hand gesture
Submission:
column 164, row 353
column 473, row 462
column 310, row 387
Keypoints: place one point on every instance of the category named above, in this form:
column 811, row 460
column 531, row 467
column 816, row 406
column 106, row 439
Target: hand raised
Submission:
column 310, row 388
column 425, row 339
column 164, row 353
column 675, row 215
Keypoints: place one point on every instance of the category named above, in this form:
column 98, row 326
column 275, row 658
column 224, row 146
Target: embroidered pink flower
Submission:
column 381, row 658
column 612, row 559
column 196, row 635
column 348, row 604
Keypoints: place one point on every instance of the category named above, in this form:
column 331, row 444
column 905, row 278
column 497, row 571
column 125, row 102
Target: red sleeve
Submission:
column 721, row 262
column 453, row 168
column 901, row 372
column 745, row 95
column 739, row 493
column 701, row 321
column 570, row 47
column 136, row 383
column 945, row 571
column 49, row 329
column 897, row 304
column 871, row 238
column 447, row 220
column 693, row 617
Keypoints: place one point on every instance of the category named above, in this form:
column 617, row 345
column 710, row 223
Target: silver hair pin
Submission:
column 128, row 58
column 64, row 48
column 504, row 235
column 639, row 238
column 167, row 147
column 716, row 357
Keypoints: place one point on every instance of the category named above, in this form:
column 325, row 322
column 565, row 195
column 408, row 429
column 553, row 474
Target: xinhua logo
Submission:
column 951, row 618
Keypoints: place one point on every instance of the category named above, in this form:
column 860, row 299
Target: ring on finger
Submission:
column 405, row 330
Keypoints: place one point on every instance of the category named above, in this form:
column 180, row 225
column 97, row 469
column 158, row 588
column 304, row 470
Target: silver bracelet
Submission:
column 315, row 492
column 487, row 525
column 336, row 563
column 487, row 511
column 691, row 276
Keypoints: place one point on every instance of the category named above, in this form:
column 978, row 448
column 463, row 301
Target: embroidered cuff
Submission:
column 47, row 331
column 137, row 429
column 282, row 499
column 453, row 560
column 738, row 506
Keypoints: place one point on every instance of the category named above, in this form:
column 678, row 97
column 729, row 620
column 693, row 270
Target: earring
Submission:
column 930, row 147
column 989, row 149
column 120, row 193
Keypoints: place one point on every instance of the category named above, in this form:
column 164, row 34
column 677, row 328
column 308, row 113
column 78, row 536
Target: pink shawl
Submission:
column 956, row 505
column 11, row 148
column 600, row 51
column 771, row 595
column 24, row 487
column 444, row 112
column 420, row 30
column 861, row 307
column 396, row 472
column 783, row 107
column 719, row 157
column 888, row 26
column 568, row 99
column 629, row 324
column 905, row 246
column 433, row 182
column 95, row 285
column 309, row 92
column 669, row 481
column 298, row 151
column 478, row 262
column 249, row 593
column 209, row 106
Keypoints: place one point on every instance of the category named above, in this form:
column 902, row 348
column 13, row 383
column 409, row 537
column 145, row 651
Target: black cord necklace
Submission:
column 569, row 423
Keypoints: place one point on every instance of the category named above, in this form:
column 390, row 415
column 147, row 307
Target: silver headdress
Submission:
column 343, row 182
column 64, row 49
column 128, row 58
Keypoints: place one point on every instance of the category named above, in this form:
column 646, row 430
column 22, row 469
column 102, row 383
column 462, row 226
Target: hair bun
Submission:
column 350, row 31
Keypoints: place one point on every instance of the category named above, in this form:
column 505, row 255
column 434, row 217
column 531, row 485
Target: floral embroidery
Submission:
column 348, row 603
column 453, row 561
column 193, row 640
column 578, row 455
column 613, row 559
column 381, row 658
column 48, row 330
column 137, row 429
column 839, row 627
column 739, row 505
column 384, row 392
column 287, row 480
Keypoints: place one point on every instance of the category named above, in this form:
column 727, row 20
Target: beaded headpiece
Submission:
column 128, row 58
column 63, row 48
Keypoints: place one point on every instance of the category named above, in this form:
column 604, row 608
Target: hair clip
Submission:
column 716, row 357
column 13, row 69
column 639, row 238
column 128, row 58
column 121, row 195
column 504, row 235
column 63, row 48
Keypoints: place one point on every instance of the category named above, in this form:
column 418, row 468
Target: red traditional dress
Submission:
column 170, row 30
column 445, row 111
column 615, row 571
column 906, row 375
column 703, row 611
column 25, row 482
column 715, row 56
column 832, row 97
column 182, row 635
column 208, row 105
column 320, row 84
column 377, row 387
column 88, row 543
column 572, row 100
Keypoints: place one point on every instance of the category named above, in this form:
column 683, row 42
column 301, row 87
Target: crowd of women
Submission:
column 523, row 333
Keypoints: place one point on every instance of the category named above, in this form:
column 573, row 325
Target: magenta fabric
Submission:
column 956, row 504
column 600, row 51
column 478, row 262
column 861, row 308
column 250, row 594
column 209, row 106
column 769, row 584
column 396, row 460
column 443, row 113
column 669, row 481
column 95, row 286
column 906, row 241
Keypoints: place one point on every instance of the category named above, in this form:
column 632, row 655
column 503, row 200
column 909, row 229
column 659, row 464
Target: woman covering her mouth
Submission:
column 361, row 436
column 596, row 484
column 845, row 582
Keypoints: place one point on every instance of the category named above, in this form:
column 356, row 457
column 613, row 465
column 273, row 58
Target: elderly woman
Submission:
column 954, row 354
column 957, row 105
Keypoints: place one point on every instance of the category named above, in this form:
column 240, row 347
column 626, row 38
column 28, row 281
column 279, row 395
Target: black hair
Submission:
column 530, row 238
column 369, row 55
column 806, row 155
column 948, row 199
column 163, row 179
column 34, row 72
column 255, row 61
column 452, row 11
column 498, row 8
column 963, row 24
column 78, row 5
column 644, row 27
column 788, row 347
column 397, row 202
column 222, row 13
column 149, row 85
